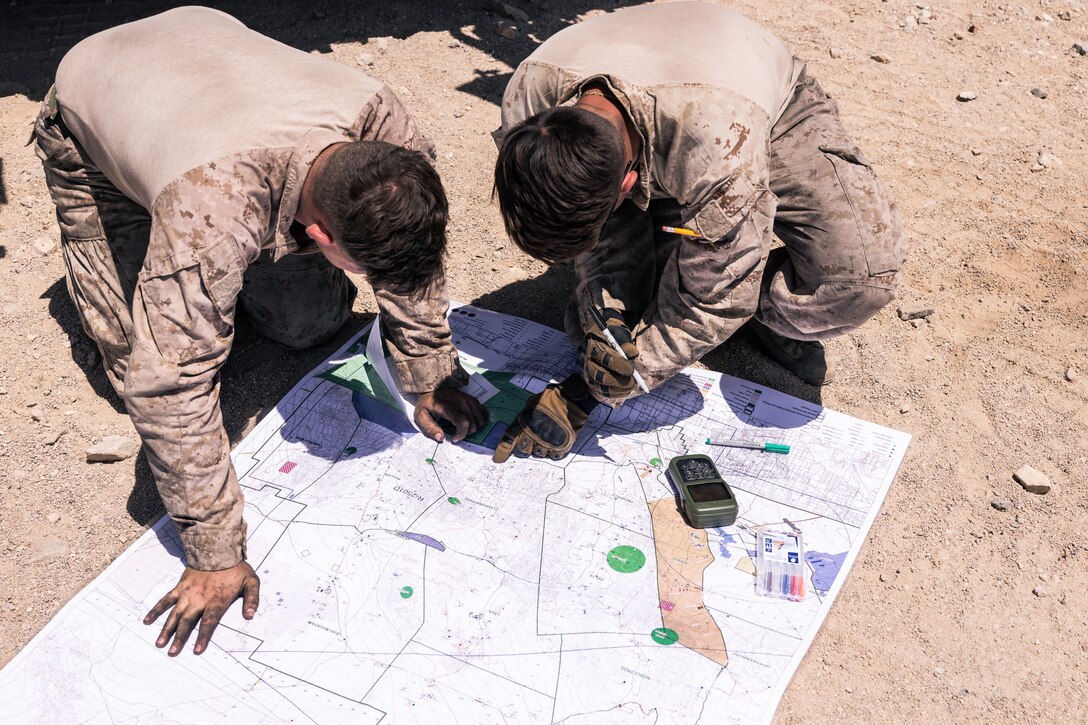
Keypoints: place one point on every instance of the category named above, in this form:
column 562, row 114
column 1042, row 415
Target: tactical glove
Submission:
column 548, row 424
column 607, row 374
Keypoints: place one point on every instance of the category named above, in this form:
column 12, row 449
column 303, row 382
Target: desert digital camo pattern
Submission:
column 158, row 288
column 739, row 145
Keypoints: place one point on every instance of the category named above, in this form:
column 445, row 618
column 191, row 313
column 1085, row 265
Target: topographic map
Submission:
column 406, row 581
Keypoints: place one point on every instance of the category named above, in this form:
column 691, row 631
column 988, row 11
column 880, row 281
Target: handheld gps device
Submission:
column 705, row 497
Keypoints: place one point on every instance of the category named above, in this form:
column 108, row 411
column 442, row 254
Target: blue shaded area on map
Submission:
column 723, row 544
column 825, row 568
column 423, row 539
column 378, row 412
column 494, row 436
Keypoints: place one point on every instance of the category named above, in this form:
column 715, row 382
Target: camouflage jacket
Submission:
column 212, row 128
column 703, row 87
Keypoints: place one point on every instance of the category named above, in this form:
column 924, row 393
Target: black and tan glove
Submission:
column 606, row 373
column 550, row 421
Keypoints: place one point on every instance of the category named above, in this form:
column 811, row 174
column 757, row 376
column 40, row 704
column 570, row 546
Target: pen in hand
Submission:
column 599, row 322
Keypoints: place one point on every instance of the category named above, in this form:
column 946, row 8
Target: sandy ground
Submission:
column 955, row 610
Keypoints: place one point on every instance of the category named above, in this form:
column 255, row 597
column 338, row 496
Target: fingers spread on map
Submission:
column 461, row 413
column 204, row 597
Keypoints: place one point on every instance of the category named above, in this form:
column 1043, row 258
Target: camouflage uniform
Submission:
column 737, row 142
column 175, row 149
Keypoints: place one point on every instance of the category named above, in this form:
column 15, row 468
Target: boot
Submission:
column 806, row 359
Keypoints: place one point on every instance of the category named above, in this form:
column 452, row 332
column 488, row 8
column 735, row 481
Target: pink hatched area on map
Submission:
column 288, row 467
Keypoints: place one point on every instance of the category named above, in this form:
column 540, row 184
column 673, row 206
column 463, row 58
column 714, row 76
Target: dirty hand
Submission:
column 462, row 411
column 204, row 596
column 607, row 374
column 548, row 424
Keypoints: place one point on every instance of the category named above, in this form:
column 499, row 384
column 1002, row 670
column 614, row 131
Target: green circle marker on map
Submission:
column 406, row 592
column 430, row 460
column 350, row 449
column 454, row 500
column 664, row 635
column 626, row 559
column 655, row 461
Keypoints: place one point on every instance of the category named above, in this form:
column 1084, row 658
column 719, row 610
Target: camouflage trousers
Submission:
column 298, row 301
column 843, row 238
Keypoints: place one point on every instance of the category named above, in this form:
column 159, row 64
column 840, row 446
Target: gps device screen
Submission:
column 702, row 492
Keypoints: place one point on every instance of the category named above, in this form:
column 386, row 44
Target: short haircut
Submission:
column 557, row 177
column 388, row 210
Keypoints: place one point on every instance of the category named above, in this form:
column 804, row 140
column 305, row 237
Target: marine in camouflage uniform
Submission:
column 738, row 143
column 176, row 149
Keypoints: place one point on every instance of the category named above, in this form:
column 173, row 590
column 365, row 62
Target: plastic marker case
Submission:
column 780, row 565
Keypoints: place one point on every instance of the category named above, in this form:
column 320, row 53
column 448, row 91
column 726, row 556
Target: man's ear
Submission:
column 628, row 183
column 320, row 234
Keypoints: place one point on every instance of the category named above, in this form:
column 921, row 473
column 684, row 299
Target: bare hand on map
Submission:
column 204, row 596
column 462, row 411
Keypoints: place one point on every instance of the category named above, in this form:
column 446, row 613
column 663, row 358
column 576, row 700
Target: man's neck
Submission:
column 306, row 213
column 607, row 107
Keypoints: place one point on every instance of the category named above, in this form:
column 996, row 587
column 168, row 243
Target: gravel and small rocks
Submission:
column 914, row 313
column 48, row 548
column 881, row 58
column 920, row 15
column 506, row 10
column 1039, row 92
column 1045, row 160
column 112, row 449
column 965, row 96
column 1071, row 374
column 1001, row 504
column 44, row 245
column 506, row 29
column 1032, row 480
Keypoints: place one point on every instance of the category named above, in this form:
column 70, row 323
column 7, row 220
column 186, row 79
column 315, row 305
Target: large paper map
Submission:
column 406, row 581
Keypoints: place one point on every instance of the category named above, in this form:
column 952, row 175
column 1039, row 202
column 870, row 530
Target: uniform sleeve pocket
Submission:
column 727, row 208
column 219, row 265
column 879, row 229
column 187, row 299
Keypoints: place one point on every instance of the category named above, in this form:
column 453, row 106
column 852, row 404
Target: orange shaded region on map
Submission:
column 682, row 556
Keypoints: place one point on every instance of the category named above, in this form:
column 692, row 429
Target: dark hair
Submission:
column 387, row 207
column 557, row 179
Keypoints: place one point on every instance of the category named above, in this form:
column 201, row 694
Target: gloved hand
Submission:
column 606, row 373
column 548, row 424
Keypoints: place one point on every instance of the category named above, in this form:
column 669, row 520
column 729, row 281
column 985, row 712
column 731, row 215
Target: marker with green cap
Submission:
column 769, row 447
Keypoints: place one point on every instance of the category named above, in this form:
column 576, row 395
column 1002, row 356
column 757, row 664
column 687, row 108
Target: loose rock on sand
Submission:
column 112, row 449
column 1032, row 480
